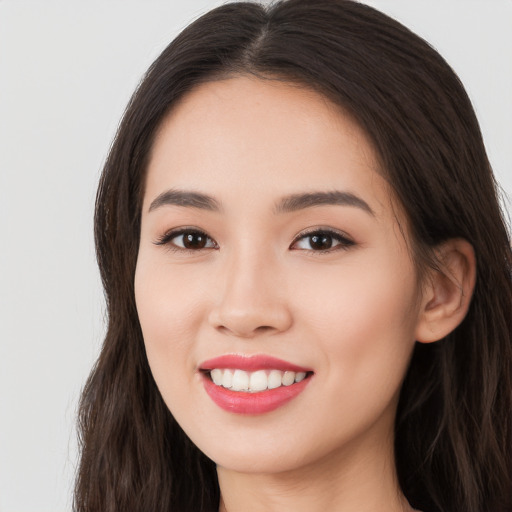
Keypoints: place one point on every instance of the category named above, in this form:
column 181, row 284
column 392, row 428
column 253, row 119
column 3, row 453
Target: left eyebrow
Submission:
column 296, row 202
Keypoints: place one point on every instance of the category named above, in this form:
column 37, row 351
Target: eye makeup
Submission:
column 319, row 240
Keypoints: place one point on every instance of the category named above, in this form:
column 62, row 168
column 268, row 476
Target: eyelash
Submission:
column 166, row 239
column 344, row 242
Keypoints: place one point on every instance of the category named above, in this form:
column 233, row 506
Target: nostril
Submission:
column 249, row 319
column 264, row 328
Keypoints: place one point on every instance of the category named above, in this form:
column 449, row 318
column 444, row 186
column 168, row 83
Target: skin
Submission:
column 352, row 314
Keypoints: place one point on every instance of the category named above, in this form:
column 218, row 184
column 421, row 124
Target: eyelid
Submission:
column 345, row 241
column 165, row 239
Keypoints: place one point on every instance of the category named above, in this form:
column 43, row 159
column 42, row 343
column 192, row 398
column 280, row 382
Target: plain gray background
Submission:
column 67, row 70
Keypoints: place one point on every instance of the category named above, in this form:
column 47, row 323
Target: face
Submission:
column 274, row 285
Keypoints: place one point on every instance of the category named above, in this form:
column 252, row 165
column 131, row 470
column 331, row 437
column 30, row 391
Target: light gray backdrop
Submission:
column 67, row 70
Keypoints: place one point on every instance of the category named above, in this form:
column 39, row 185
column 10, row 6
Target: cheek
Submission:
column 169, row 310
column 363, row 329
column 362, row 315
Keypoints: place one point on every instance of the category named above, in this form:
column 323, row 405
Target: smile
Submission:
column 254, row 382
column 252, row 385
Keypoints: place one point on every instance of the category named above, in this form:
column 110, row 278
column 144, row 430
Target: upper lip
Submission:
column 250, row 363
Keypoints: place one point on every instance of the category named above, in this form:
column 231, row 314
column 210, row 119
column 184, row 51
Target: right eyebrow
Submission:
column 185, row 198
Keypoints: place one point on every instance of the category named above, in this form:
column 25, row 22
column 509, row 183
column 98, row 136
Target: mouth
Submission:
column 252, row 385
column 254, row 382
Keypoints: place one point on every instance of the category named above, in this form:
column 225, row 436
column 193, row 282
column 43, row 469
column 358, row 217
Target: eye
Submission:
column 187, row 239
column 322, row 240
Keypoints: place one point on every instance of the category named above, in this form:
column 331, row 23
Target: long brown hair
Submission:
column 454, row 420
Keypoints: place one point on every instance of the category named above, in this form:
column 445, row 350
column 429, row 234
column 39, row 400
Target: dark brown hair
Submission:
column 454, row 421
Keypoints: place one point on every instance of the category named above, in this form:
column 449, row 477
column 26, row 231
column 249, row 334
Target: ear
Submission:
column 447, row 291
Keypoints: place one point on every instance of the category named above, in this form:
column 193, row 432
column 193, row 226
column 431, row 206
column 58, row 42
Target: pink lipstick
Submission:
column 252, row 384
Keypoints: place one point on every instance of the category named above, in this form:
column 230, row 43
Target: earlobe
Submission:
column 447, row 291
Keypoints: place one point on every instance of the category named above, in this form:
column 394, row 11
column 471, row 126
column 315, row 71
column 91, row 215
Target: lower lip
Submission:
column 241, row 402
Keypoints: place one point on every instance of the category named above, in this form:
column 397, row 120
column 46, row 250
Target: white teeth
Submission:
column 275, row 379
column 240, row 380
column 300, row 376
column 258, row 381
column 227, row 378
column 216, row 376
column 288, row 378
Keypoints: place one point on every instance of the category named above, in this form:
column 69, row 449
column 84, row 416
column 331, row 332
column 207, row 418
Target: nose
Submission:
column 252, row 299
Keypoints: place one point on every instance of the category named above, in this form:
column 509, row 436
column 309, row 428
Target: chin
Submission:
column 266, row 461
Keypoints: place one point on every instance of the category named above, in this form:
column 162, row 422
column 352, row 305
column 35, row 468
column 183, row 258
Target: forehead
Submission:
column 259, row 107
column 270, row 136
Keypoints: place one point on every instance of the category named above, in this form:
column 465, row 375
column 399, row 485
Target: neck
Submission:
column 353, row 480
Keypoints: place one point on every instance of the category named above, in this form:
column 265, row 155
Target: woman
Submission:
column 307, row 308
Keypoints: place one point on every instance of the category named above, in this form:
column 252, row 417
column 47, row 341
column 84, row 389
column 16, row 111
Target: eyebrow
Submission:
column 296, row 202
column 186, row 199
column 287, row 204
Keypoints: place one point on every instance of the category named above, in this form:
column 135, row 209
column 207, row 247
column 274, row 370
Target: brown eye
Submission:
column 322, row 241
column 187, row 240
column 194, row 240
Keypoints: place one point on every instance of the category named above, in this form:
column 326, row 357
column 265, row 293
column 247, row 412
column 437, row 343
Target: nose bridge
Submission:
column 250, row 266
column 251, row 300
